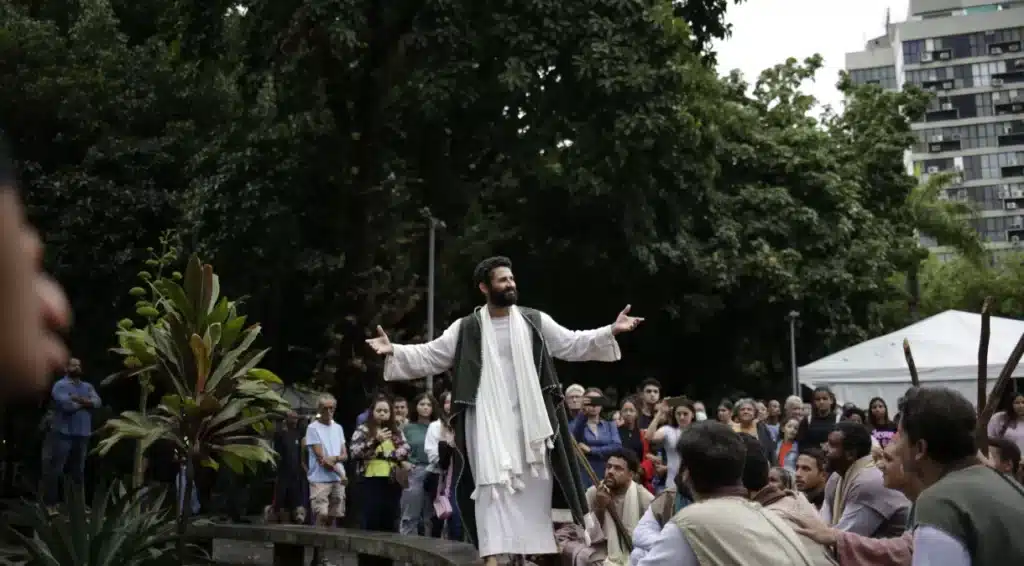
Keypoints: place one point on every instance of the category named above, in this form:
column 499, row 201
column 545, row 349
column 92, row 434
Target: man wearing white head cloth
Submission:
column 512, row 434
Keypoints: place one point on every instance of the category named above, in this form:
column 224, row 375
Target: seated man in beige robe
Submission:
column 790, row 506
column 723, row 526
column 856, row 499
column 600, row 541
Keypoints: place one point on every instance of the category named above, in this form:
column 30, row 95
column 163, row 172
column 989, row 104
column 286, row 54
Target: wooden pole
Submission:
column 910, row 363
column 625, row 538
column 986, row 331
column 997, row 391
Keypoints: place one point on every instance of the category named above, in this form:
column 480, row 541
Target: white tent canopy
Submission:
column 945, row 348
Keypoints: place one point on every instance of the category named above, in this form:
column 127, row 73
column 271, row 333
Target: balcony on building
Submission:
column 1004, row 47
column 939, row 144
column 1013, row 199
column 1015, row 170
column 1012, row 133
column 937, row 55
column 945, row 111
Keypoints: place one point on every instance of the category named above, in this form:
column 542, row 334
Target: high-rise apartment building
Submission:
column 970, row 54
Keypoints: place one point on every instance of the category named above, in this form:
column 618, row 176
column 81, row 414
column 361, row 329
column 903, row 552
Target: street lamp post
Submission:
column 431, row 290
column 791, row 317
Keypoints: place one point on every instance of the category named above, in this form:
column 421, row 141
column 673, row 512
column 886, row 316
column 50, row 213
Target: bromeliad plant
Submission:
column 122, row 528
column 219, row 402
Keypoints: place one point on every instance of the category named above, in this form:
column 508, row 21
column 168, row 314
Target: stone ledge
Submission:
column 419, row 551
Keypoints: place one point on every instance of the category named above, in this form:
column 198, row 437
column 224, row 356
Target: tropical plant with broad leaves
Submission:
column 201, row 352
column 122, row 528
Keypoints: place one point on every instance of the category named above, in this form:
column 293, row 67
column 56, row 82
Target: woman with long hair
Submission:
column 439, row 446
column 1007, row 421
column 416, row 503
column 881, row 425
column 634, row 438
column 595, row 436
column 788, row 451
column 724, row 414
column 673, row 417
column 380, row 450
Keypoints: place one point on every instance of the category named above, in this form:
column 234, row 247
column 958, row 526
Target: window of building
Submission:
column 974, row 136
column 885, row 77
column 961, row 45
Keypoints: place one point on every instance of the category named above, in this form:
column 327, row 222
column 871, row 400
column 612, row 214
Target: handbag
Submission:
column 442, row 504
column 400, row 475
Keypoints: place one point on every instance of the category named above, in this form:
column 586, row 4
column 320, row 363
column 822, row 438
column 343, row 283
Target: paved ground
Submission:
column 233, row 553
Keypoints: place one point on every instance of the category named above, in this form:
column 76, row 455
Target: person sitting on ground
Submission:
column 786, row 503
column 1004, row 455
column 724, row 523
column 856, row 550
column 856, row 499
column 784, row 480
column 811, row 474
column 617, row 494
column 660, row 512
column 967, row 513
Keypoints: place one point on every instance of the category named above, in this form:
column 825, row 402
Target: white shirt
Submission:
column 331, row 438
column 671, row 549
column 933, row 547
column 645, row 534
column 430, row 445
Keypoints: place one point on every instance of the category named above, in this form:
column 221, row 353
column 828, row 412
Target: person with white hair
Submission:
column 793, row 408
column 574, row 399
column 326, row 442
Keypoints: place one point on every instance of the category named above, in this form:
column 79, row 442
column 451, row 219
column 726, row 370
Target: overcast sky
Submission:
column 766, row 32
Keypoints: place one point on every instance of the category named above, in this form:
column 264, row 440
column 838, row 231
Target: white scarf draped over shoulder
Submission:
column 499, row 463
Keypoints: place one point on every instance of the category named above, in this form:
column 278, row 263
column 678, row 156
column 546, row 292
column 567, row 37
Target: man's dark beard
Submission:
column 505, row 298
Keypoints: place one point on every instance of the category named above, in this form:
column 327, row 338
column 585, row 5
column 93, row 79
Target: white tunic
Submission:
column 518, row 523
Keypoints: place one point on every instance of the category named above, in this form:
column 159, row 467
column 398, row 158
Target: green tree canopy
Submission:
column 302, row 145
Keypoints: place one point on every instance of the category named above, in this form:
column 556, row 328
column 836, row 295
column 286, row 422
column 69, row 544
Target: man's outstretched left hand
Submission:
column 626, row 323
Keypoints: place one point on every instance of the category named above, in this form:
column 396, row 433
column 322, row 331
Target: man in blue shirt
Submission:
column 73, row 400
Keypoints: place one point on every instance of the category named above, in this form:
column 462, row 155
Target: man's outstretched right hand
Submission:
column 380, row 343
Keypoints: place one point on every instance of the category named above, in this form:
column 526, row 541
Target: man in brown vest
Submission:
column 507, row 405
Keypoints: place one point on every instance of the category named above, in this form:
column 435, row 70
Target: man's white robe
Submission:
column 514, row 523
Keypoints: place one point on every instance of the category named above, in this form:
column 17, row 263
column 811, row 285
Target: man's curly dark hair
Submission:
column 482, row 273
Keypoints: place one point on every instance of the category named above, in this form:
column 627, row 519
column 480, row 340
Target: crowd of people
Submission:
column 400, row 460
column 650, row 426
column 781, row 481
column 789, row 483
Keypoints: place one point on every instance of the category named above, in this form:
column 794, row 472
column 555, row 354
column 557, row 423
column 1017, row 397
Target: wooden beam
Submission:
column 909, row 356
column 984, row 416
column 986, row 331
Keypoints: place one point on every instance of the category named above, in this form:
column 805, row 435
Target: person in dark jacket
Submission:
column 747, row 423
column 814, row 429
